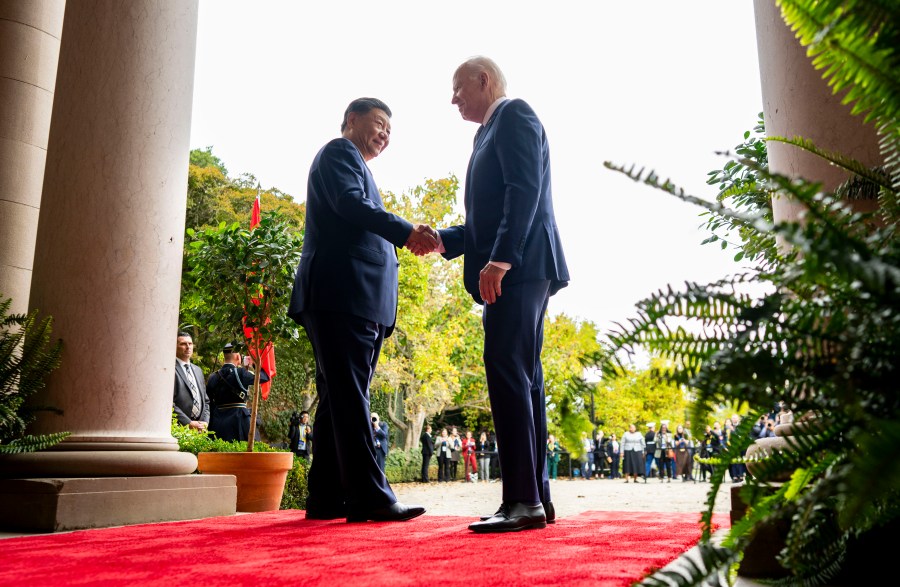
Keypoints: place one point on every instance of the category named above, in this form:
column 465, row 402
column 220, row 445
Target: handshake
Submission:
column 423, row 240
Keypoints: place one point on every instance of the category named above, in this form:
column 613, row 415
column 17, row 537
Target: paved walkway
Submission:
column 570, row 497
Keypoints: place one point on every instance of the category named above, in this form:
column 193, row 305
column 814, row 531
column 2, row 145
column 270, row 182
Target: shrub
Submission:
column 296, row 488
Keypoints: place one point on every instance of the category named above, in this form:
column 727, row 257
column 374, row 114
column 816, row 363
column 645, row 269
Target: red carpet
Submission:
column 282, row 548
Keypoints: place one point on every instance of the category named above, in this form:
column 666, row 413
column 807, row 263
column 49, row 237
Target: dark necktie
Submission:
column 195, row 393
column 477, row 134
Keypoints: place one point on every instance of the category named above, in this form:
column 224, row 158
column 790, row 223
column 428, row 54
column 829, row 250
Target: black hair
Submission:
column 183, row 333
column 362, row 106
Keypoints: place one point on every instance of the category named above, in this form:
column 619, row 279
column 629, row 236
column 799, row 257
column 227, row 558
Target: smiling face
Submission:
column 370, row 132
column 471, row 94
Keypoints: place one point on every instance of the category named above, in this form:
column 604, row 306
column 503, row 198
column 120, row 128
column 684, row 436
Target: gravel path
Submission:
column 570, row 497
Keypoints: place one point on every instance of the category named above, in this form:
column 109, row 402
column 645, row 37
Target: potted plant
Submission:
column 243, row 279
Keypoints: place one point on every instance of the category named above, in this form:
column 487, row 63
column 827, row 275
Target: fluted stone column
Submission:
column 29, row 51
column 108, row 257
column 798, row 102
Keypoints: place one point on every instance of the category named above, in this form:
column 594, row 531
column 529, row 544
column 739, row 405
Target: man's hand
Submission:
column 422, row 240
column 196, row 425
column 489, row 283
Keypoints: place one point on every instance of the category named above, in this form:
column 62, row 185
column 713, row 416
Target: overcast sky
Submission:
column 657, row 83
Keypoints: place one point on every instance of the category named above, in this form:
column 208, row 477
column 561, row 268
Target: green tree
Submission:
column 416, row 374
column 244, row 277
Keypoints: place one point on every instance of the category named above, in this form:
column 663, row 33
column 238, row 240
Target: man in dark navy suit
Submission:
column 513, row 264
column 345, row 296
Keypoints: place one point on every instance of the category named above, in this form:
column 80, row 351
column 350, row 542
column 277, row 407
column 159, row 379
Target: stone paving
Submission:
column 570, row 496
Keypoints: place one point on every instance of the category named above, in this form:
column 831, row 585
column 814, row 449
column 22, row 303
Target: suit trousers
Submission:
column 345, row 468
column 513, row 338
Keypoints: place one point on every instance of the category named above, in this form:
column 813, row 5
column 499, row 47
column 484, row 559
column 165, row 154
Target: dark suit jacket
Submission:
column 183, row 401
column 349, row 263
column 427, row 444
column 383, row 437
column 509, row 206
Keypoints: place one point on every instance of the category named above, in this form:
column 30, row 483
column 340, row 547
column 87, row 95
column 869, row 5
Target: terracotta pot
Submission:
column 260, row 476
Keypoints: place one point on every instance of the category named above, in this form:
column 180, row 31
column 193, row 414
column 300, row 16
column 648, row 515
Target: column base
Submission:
column 60, row 504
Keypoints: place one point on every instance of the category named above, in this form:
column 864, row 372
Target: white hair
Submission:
column 481, row 64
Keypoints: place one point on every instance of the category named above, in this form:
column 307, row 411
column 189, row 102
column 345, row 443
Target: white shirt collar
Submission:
column 492, row 109
column 181, row 363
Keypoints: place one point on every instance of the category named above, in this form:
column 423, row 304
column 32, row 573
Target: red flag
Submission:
column 267, row 362
column 254, row 215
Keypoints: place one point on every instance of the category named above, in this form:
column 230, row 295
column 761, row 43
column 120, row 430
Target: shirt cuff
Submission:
column 501, row 265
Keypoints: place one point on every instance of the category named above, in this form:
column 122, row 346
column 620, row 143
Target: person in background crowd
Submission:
column 706, row 451
column 600, row 464
column 664, row 445
column 484, row 457
column 650, row 448
column 381, row 437
column 612, row 457
column 633, row 446
column 683, row 461
column 444, row 452
column 553, row 451
column 768, row 430
column 427, row 450
column 468, row 452
column 736, row 470
column 455, row 449
column 587, row 455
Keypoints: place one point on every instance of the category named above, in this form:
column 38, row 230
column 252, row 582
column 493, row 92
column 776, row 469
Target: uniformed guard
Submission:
column 229, row 389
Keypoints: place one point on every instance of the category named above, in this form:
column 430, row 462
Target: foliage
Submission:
column 741, row 188
column 214, row 198
column 27, row 356
column 417, row 374
column 405, row 466
column 242, row 279
column 826, row 341
column 296, row 487
column 197, row 441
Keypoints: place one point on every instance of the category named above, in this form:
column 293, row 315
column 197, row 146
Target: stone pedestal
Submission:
column 55, row 505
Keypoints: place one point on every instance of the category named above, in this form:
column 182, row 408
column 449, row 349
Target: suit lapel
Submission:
column 479, row 139
column 180, row 370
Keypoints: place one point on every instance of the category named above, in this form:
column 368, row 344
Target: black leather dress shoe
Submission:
column 512, row 518
column 549, row 511
column 396, row 512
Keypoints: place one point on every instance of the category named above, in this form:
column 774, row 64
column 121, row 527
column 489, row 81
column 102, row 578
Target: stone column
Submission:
column 29, row 51
column 798, row 102
column 107, row 267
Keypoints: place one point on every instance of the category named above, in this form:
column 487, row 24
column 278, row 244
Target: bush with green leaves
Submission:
column 826, row 341
column 27, row 356
column 405, row 466
column 296, row 488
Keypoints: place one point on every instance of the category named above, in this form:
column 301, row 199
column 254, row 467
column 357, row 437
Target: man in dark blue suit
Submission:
column 513, row 264
column 345, row 296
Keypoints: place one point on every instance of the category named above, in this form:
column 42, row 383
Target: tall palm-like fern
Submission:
column 26, row 357
column 826, row 340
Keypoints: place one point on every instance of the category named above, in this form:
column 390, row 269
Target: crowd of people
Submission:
column 663, row 454
column 476, row 455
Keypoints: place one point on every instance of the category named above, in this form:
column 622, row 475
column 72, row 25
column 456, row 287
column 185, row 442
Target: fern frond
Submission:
column 29, row 443
column 710, row 570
